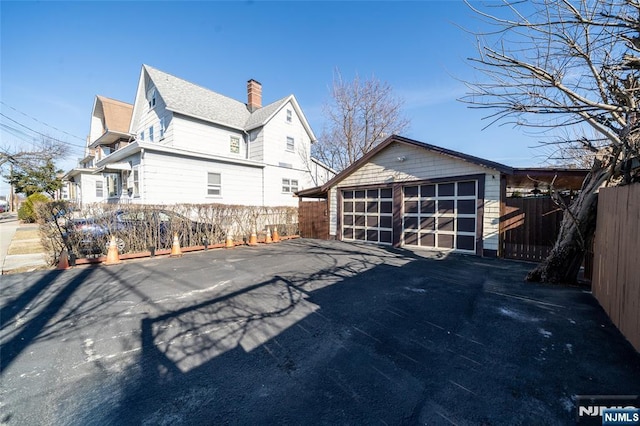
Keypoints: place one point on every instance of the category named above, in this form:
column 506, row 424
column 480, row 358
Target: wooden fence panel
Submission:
column 529, row 228
column 616, row 266
column 313, row 219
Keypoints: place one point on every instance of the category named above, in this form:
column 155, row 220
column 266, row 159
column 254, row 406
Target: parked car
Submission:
column 150, row 227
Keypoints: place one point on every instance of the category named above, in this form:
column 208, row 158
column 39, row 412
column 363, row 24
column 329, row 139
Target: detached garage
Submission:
column 408, row 193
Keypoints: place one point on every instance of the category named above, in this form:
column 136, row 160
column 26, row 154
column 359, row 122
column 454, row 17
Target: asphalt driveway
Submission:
column 303, row 332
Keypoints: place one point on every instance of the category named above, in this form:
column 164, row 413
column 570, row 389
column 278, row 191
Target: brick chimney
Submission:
column 254, row 95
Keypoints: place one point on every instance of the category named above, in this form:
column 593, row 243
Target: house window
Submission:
column 136, row 181
column 163, row 128
column 234, row 145
column 214, row 184
column 290, row 144
column 142, row 135
column 289, row 116
column 113, row 184
column 99, row 191
column 151, row 97
column 289, row 186
column 151, row 134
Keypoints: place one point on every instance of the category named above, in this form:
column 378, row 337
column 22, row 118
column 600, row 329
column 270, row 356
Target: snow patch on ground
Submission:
column 545, row 333
column 517, row 315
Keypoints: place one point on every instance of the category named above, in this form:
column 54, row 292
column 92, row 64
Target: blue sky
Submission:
column 56, row 56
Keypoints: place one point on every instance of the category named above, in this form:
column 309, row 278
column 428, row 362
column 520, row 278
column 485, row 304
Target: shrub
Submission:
column 27, row 211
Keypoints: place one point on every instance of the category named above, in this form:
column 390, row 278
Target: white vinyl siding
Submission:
column 200, row 136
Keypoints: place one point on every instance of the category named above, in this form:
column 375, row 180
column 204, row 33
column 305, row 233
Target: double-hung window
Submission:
column 142, row 135
column 151, row 97
column 289, row 185
column 289, row 116
column 234, row 145
column 151, row 134
column 290, row 144
column 99, row 189
column 214, row 185
column 136, row 181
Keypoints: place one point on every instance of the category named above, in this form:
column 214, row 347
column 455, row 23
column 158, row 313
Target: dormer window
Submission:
column 289, row 116
column 151, row 97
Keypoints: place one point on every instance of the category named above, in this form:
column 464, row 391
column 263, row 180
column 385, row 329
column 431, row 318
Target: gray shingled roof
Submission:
column 190, row 99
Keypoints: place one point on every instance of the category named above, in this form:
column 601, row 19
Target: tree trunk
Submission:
column 576, row 233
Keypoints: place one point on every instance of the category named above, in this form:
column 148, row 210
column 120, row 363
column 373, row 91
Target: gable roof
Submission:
column 399, row 139
column 186, row 98
column 117, row 114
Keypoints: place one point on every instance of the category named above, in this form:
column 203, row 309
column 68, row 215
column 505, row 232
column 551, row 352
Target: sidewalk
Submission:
column 20, row 246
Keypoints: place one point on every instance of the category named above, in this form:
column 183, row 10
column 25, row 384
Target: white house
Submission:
column 108, row 132
column 188, row 144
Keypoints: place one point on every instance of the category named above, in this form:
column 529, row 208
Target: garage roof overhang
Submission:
column 562, row 178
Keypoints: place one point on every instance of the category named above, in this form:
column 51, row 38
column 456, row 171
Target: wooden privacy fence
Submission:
column 529, row 227
column 313, row 219
column 616, row 273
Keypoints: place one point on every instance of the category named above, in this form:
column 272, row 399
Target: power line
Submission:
column 42, row 122
column 42, row 134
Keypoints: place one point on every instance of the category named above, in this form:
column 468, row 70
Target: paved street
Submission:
column 303, row 332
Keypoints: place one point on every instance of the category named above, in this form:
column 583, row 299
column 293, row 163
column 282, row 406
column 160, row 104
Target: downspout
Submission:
column 140, row 178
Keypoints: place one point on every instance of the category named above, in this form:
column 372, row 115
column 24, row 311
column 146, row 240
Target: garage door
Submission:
column 441, row 215
column 367, row 215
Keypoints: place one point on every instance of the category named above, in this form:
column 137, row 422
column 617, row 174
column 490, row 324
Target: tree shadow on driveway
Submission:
column 407, row 340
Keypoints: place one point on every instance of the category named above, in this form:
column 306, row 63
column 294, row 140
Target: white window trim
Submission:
column 293, row 142
column 288, row 187
column 208, row 186
column 135, row 170
column 231, row 139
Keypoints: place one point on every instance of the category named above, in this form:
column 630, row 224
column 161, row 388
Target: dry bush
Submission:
column 141, row 228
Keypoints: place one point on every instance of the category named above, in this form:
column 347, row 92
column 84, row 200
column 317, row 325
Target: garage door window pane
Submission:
column 428, row 240
column 411, row 238
column 372, row 221
column 347, row 233
column 445, row 241
column 466, row 206
column 359, row 234
column 360, row 194
column 360, row 220
column 385, row 237
column 410, row 207
column 427, row 206
column 348, row 206
column 446, row 189
column 386, row 193
column 445, row 224
column 347, row 194
column 467, row 224
column 428, row 223
column 466, row 188
column 372, row 207
column 465, row 242
column 360, row 206
column 428, row 190
column 372, row 235
column 410, row 223
column 385, row 221
column 410, row 191
column 348, row 220
column 386, row 206
column 372, row 193
column 445, row 206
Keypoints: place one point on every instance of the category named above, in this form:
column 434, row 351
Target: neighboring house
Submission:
column 187, row 144
column 408, row 193
column 109, row 132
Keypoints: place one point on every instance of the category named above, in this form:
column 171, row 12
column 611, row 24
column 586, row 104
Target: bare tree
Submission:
column 360, row 115
column 557, row 64
column 33, row 155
